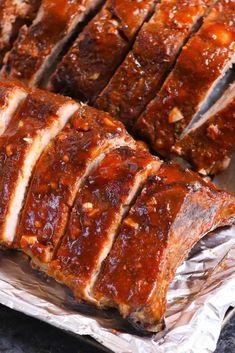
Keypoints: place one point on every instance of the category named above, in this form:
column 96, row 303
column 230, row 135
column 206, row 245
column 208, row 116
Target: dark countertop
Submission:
column 22, row 334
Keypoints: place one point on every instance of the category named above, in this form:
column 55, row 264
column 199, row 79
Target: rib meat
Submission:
column 175, row 209
column 98, row 211
column 13, row 15
column 210, row 143
column 38, row 47
column 141, row 74
column 58, row 176
column 40, row 118
column 12, row 94
column 202, row 63
column 100, row 48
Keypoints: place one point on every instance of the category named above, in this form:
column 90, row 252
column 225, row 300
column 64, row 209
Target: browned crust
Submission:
column 96, row 215
column 56, row 20
column 13, row 15
column 200, row 64
column 140, row 76
column 38, row 111
column 7, row 89
column 209, row 147
column 173, row 212
column 56, row 178
column 100, row 48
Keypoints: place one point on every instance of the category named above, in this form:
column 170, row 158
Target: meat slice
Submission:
column 13, row 15
column 12, row 95
column 98, row 211
column 38, row 46
column 40, row 118
column 141, row 74
column 202, row 63
column 210, row 143
column 100, row 48
column 59, row 174
column 175, row 209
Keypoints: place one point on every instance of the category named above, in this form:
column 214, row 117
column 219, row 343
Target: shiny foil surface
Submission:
column 200, row 295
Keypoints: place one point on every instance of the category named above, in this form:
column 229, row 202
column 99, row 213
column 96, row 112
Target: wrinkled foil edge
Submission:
column 200, row 295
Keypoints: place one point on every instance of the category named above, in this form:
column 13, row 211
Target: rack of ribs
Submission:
column 38, row 47
column 59, row 174
column 202, row 63
column 95, row 210
column 175, row 210
column 157, row 45
column 209, row 145
column 97, row 214
column 100, row 48
column 39, row 118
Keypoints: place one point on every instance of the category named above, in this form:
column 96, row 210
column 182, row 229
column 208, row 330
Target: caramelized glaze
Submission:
column 140, row 76
column 200, row 64
column 100, row 48
column 13, row 15
column 37, row 113
column 175, row 209
column 96, row 216
column 55, row 21
column 210, row 146
column 57, row 176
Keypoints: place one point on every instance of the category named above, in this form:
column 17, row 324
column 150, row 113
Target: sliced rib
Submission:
column 100, row 48
column 13, row 15
column 175, row 209
column 202, row 63
column 37, row 47
column 210, row 143
column 39, row 119
column 98, row 211
column 58, row 176
column 12, row 94
column 141, row 74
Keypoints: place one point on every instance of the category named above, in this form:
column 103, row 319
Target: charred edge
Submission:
column 44, row 81
column 19, row 22
column 127, row 40
column 192, row 33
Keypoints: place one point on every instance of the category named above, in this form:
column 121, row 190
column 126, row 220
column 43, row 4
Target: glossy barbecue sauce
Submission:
column 143, row 71
column 174, row 211
column 57, row 176
column 210, row 146
column 202, row 62
column 37, row 113
column 97, row 213
column 36, row 43
column 87, row 67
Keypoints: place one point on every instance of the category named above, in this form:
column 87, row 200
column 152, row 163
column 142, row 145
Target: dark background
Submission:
column 22, row 334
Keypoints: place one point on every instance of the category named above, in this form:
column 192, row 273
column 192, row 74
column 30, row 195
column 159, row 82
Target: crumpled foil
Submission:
column 198, row 298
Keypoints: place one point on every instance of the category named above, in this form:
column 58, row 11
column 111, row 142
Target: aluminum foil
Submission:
column 198, row 298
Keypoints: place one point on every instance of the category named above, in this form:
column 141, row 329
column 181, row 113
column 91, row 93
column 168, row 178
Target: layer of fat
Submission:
column 14, row 100
column 35, row 149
